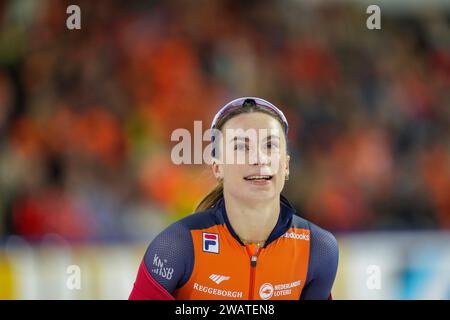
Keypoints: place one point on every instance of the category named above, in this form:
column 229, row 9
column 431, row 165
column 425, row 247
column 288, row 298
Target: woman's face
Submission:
column 254, row 159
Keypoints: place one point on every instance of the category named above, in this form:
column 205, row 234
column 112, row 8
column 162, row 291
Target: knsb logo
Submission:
column 266, row 291
column 211, row 242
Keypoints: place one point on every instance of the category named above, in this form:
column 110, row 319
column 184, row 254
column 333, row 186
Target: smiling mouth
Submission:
column 258, row 178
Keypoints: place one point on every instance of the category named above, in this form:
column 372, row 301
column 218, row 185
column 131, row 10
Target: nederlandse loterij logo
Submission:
column 211, row 242
column 266, row 291
column 217, row 278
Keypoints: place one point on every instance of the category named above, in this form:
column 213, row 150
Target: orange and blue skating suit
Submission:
column 201, row 257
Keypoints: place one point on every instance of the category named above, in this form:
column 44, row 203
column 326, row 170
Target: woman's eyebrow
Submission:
column 235, row 139
column 246, row 139
column 272, row 137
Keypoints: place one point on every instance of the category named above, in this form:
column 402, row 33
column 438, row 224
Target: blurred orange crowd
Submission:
column 86, row 115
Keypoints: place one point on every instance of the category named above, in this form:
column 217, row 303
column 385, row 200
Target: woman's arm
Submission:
column 167, row 265
column 323, row 263
column 147, row 288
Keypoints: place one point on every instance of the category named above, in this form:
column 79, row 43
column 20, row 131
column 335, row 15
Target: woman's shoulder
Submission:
column 324, row 238
column 324, row 247
column 195, row 221
column 200, row 220
column 320, row 237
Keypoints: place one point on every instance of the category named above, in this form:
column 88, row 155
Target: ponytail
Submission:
column 211, row 198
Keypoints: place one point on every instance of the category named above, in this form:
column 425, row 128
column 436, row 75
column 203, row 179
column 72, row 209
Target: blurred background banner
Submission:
column 86, row 117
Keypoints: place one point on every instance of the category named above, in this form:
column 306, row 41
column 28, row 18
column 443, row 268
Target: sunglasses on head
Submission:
column 242, row 102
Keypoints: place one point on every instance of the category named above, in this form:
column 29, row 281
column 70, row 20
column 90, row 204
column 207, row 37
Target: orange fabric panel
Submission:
column 223, row 270
column 231, row 261
column 283, row 266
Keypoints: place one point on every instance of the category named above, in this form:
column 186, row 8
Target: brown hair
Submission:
column 211, row 199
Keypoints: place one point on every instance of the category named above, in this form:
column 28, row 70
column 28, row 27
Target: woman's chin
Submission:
column 258, row 195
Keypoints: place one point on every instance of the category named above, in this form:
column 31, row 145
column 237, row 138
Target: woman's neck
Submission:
column 252, row 222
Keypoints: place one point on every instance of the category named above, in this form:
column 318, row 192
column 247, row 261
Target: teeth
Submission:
column 258, row 177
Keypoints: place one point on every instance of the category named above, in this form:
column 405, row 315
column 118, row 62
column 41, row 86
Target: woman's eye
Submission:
column 271, row 145
column 240, row 147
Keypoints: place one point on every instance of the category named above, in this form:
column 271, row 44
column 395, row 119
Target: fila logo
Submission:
column 210, row 242
column 217, row 278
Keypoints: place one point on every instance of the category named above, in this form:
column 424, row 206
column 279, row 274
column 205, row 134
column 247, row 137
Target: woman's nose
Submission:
column 259, row 157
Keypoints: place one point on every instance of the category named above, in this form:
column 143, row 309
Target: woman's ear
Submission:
column 288, row 158
column 217, row 170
